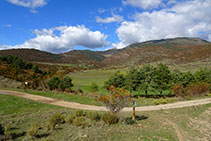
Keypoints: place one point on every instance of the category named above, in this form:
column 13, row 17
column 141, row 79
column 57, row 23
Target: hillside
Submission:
column 72, row 57
column 169, row 51
column 32, row 55
column 82, row 57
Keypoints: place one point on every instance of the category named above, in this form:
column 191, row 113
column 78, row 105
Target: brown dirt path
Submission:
column 178, row 131
column 74, row 105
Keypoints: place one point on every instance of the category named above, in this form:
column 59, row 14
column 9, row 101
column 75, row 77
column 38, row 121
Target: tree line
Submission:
column 157, row 79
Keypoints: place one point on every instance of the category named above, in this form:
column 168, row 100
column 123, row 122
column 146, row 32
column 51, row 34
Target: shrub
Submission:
column 163, row 101
column 56, row 119
column 196, row 89
column 94, row 116
column 2, row 129
column 66, row 83
column 53, row 83
column 179, row 90
column 170, row 100
column 33, row 131
column 81, row 122
column 80, row 113
column 93, row 87
column 110, row 118
column 156, row 102
column 36, row 69
column 116, row 80
column 160, row 101
column 70, row 118
column 117, row 99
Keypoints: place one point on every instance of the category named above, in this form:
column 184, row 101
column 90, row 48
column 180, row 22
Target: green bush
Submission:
column 70, row 118
column 156, row 102
column 53, row 83
column 2, row 129
column 170, row 100
column 117, row 80
column 163, row 101
column 56, row 119
column 33, row 131
column 66, row 83
column 36, row 69
column 110, row 118
column 160, row 101
column 81, row 122
column 80, row 113
column 93, row 87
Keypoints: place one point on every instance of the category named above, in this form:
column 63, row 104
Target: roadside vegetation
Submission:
column 47, row 122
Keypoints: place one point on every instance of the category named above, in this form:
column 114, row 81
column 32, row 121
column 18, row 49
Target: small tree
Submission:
column 117, row 80
column 36, row 69
column 66, row 83
column 118, row 99
column 183, row 79
column 93, row 87
column 162, row 78
column 146, row 78
column 203, row 75
column 53, row 83
column 133, row 79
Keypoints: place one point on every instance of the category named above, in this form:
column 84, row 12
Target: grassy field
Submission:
column 84, row 79
column 157, row 125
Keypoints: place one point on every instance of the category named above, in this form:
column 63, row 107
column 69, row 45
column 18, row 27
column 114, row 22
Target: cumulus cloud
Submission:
column 68, row 38
column 114, row 18
column 33, row 4
column 190, row 19
column 143, row 4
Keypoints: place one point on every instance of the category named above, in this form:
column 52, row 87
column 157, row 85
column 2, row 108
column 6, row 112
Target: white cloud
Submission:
column 114, row 18
column 29, row 3
column 190, row 19
column 68, row 38
column 143, row 4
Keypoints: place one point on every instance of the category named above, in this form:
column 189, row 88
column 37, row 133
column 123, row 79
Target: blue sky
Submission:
column 62, row 25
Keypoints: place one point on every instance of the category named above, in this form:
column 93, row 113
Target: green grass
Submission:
column 84, row 79
column 64, row 96
column 15, row 105
column 21, row 113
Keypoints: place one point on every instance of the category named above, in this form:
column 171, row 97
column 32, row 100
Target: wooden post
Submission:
column 134, row 112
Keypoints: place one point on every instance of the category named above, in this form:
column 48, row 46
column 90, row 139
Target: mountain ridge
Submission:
column 174, row 50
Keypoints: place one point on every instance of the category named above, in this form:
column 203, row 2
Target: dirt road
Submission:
column 74, row 105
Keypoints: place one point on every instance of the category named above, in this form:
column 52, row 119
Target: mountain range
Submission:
column 170, row 51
